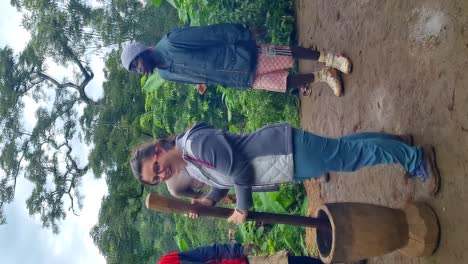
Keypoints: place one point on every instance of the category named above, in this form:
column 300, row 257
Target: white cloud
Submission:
column 10, row 31
column 30, row 107
column 24, row 241
column 94, row 88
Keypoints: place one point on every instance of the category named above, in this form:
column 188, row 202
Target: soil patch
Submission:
column 410, row 75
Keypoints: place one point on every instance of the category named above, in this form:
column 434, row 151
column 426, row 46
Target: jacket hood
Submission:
column 130, row 52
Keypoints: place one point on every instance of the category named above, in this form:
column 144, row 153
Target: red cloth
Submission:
column 171, row 258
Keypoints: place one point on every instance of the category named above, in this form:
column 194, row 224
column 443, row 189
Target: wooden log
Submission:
column 173, row 205
column 424, row 230
column 360, row 231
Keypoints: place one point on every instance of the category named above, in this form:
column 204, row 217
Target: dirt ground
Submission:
column 410, row 75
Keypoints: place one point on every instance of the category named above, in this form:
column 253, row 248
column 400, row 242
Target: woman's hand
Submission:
column 201, row 88
column 201, row 201
column 229, row 199
column 238, row 216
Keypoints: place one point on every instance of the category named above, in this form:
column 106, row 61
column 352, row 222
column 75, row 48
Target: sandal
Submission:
column 305, row 90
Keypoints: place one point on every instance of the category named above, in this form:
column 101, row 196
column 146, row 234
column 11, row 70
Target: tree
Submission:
column 118, row 21
column 113, row 126
column 44, row 154
column 65, row 33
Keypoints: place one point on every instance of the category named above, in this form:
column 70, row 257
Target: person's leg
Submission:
column 274, row 60
column 300, row 83
column 369, row 135
column 405, row 138
column 271, row 73
column 303, row 260
column 304, row 53
column 330, row 77
column 315, row 155
column 272, row 63
column 275, row 81
column 338, row 62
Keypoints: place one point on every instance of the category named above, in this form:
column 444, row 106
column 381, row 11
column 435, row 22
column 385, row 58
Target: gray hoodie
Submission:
column 185, row 186
column 224, row 160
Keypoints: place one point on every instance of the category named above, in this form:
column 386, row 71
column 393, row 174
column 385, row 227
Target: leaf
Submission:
column 181, row 243
column 304, row 207
column 153, row 82
column 173, row 3
column 303, row 245
column 259, row 232
column 233, row 129
column 264, row 246
column 239, row 237
column 156, row 3
column 269, row 205
column 284, row 200
column 229, row 114
column 143, row 80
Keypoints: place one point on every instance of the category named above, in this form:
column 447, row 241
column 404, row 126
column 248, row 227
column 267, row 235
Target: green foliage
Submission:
column 202, row 231
column 152, row 82
column 118, row 21
column 276, row 16
column 252, row 109
column 156, row 3
column 181, row 243
column 171, row 108
column 271, row 238
column 173, row 3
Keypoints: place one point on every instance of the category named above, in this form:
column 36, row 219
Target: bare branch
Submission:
column 71, row 208
column 57, row 83
column 74, row 165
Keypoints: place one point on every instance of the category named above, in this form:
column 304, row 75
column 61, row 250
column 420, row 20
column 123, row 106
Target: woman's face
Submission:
column 162, row 166
column 144, row 63
column 138, row 65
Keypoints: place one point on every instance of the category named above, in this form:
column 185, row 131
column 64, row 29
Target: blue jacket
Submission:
column 223, row 54
column 214, row 254
column 224, row 160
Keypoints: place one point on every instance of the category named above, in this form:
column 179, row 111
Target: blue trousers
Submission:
column 315, row 155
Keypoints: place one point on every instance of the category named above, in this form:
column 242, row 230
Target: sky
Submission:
column 23, row 240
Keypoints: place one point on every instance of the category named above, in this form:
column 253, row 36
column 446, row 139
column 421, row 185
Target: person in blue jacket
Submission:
column 228, row 55
column 232, row 254
column 272, row 155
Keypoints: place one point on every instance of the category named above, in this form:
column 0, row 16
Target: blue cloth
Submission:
column 223, row 54
column 315, row 155
column 216, row 253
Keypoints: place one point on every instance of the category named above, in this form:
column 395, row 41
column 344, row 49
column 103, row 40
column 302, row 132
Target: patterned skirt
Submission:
column 272, row 68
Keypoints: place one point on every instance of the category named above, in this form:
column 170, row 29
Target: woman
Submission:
column 274, row 154
column 227, row 55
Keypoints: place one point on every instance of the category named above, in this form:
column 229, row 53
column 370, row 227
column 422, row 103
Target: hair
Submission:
column 146, row 151
column 149, row 61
